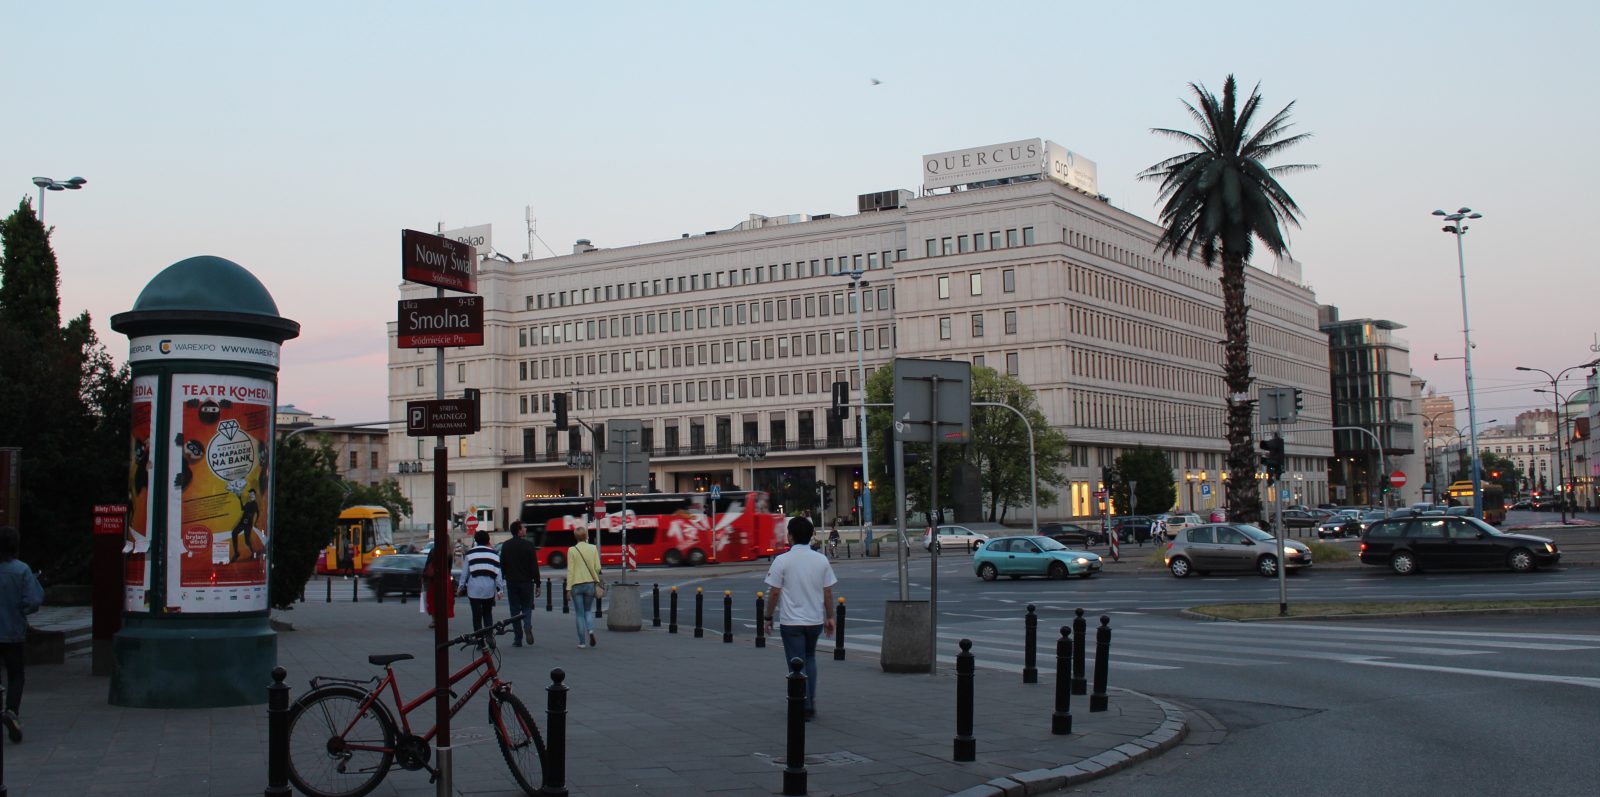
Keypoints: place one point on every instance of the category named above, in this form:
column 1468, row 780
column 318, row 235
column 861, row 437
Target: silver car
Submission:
column 1231, row 546
column 961, row 537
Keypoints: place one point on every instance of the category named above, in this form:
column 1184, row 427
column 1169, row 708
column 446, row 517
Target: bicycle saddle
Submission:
column 384, row 659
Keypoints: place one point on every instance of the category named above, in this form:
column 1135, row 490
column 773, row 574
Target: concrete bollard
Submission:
column 794, row 775
column 1102, row 664
column 1061, row 720
column 555, row 725
column 1030, row 644
column 966, row 747
column 1080, row 633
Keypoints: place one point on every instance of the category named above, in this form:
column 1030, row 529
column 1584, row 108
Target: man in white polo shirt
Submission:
column 801, row 596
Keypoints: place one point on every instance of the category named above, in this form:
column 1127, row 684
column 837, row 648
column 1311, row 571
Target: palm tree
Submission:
column 1219, row 199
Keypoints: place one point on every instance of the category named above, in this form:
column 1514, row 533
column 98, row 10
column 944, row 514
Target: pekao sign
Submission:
column 438, row 261
column 436, row 323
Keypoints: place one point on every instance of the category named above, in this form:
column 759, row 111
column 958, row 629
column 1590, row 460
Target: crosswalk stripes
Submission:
column 1166, row 646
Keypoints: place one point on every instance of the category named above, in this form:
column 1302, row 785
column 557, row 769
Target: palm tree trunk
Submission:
column 1244, row 492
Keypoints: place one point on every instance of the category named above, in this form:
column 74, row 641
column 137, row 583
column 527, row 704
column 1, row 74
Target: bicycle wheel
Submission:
column 519, row 740
column 335, row 748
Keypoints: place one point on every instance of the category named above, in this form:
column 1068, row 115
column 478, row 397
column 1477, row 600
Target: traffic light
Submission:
column 841, row 400
column 856, row 485
column 1274, row 460
column 1105, row 478
column 473, row 395
column 1299, row 401
column 561, row 411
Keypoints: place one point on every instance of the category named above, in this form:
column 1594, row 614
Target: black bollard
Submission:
column 555, row 727
column 1061, row 720
column 380, row 595
column 277, row 736
column 1030, row 644
column 598, row 600
column 549, row 597
column 838, row 631
column 966, row 747
column 699, row 613
column 403, row 596
column 1102, row 664
column 794, row 775
column 355, row 590
column 566, row 598
column 329, row 581
column 655, row 601
column 1080, row 636
column 847, row 550
column 761, row 620
column 672, row 619
column 727, row 616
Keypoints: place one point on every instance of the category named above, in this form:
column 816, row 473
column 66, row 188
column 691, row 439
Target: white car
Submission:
column 959, row 537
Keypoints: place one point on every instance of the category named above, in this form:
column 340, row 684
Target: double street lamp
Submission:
column 1458, row 228
column 1557, row 401
column 51, row 184
column 861, row 414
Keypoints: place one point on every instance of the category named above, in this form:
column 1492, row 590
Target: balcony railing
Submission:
column 820, row 444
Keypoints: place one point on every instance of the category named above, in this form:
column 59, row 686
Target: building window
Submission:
column 975, row 281
column 1011, row 238
column 962, row 244
column 994, row 240
column 933, row 247
column 355, row 460
column 944, row 327
column 419, row 376
column 374, row 460
column 1008, row 279
column 944, row 288
column 977, row 361
column 977, row 325
column 947, row 245
column 1027, row 236
column 1013, row 366
column 1011, row 322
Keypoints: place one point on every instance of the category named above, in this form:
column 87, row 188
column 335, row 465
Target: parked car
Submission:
column 1408, row 545
column 1300, row 519
column 1133, row 528
column 1238, row 546
column 399, row 573
column 962, row 537
column 1338, row 525
column 1523, row 504
column 1176, row 521
column 1071, row 535
column 1032, row 556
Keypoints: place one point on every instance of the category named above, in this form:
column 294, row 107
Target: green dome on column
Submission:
column 206, row 294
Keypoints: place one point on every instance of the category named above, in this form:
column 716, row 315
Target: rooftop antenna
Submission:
column 1595, row 346
column 533, row 233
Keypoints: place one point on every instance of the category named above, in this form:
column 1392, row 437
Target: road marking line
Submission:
column 1573, row 680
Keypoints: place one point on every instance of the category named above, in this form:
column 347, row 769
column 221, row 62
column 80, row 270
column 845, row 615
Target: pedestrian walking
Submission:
column 519, row 562
column 583, row 583
column 426, row 604
column 801, row 597
column 484, row 583
column 20, row 594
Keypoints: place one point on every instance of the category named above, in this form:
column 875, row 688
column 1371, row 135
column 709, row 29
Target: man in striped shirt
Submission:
column 483, row 582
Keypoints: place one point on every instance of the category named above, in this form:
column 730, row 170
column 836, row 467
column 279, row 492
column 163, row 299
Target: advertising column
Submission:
column 204, row 339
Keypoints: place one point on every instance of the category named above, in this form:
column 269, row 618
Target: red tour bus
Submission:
column 663, row 528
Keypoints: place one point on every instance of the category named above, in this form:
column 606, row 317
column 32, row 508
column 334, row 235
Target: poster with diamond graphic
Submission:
column 217, row 532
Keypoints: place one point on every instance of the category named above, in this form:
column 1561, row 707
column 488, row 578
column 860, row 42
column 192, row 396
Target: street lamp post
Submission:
column 861, row 414
column 51, row 184
column 1556, row 402
column 1458, row 228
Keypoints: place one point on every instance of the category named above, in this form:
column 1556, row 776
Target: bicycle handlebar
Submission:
column 498, row 629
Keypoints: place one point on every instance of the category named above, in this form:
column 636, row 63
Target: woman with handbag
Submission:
column 584, row 584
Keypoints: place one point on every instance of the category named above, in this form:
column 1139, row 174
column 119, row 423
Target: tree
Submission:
column 63, row 401
column 1218, row 200
column 1151, row 472
column 1494, row 467
column 998, row 448
column 385, row 494
column 307, row 496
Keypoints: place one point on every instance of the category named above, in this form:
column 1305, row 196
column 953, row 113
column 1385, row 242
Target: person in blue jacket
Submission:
column 20, row 594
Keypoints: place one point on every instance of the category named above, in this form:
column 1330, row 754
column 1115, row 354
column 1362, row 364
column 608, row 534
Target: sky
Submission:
column 298, row 138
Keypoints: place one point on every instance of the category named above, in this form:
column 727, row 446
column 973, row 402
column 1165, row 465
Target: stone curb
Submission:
column 1170, row 734
column 1190, row 614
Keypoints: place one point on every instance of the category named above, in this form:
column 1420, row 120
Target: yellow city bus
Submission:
column 1494, row 499
column 362, row 534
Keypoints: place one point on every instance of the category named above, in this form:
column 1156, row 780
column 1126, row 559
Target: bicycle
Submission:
column 833, row 547
column 343, row 739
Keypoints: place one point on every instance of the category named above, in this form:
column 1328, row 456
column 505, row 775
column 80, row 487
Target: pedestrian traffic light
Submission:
column 1274, row 459
column 561, row 411
column 841, row 400
column 1105, row 478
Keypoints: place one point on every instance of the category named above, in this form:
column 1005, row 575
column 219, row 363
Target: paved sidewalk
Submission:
column 650, row 713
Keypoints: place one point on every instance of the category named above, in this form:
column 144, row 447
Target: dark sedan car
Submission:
column 1133, row 528
column 1302, row 518
column 1071, row 535
column 1408, row 545
column 396, row 574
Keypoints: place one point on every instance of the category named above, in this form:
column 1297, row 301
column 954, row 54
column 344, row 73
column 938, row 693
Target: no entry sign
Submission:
column 1398, row 478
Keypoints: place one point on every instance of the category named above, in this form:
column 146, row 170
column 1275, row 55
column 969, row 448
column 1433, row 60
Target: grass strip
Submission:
column 1259, row 611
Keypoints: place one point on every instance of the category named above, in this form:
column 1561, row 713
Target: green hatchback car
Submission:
column 1032, row 556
